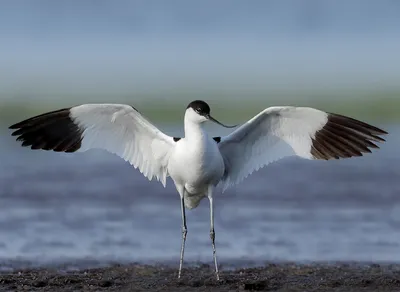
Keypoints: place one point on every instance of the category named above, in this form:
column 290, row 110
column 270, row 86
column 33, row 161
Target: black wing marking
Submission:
column 216, row 139
column 50, row 131
column 344, row 137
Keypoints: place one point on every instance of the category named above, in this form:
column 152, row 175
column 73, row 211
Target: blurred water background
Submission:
column 240, row 56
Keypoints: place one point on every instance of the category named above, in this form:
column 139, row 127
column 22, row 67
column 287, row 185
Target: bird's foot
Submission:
column 212, row 236
column 184, row 234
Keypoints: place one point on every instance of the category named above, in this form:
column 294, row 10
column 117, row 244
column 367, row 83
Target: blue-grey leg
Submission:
column 212, row 232
column 184, row 233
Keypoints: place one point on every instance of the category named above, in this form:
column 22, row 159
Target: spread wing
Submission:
column 117, row 128
column 278, row 132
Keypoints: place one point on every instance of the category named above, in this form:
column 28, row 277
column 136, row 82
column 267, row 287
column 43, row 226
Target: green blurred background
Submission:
column 239, row 56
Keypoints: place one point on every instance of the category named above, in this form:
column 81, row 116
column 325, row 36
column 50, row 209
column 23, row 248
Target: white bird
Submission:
column 198, row 163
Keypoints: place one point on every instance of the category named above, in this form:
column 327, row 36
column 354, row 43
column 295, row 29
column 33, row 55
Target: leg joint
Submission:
column 212, row 235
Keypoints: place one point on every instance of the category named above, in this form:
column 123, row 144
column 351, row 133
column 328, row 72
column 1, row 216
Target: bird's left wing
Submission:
column 278, row 132
column 117, row 128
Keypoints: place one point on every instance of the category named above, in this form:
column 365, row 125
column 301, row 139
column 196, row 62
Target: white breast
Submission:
column 196, row 164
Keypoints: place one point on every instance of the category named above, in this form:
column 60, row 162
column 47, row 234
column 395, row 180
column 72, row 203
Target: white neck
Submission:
column 194, row 130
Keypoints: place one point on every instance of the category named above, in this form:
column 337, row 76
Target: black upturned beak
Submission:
column 219, row 123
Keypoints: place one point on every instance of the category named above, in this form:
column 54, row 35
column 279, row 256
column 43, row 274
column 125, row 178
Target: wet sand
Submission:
column 272, row 277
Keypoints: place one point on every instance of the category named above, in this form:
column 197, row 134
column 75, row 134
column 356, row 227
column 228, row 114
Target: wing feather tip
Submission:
column 344, row 137
column 49, row 131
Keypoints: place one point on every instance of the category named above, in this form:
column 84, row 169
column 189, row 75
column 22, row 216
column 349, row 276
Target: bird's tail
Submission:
column 192, row 200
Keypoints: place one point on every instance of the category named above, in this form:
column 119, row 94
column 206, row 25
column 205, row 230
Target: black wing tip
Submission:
column 377, row 130
column 49, row 131
column 345, row 137
column 35, row 119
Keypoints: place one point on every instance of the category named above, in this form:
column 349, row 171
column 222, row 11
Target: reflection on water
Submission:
column 94, row 208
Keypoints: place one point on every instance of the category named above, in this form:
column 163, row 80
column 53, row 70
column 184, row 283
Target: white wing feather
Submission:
column 122, row 130
column 275, row 133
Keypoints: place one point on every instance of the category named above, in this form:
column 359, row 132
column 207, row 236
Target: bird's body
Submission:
column 197, row 163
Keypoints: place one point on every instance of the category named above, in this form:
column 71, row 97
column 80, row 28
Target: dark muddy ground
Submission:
column 272, row 277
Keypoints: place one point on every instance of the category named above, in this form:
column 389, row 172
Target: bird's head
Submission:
column 198, row 112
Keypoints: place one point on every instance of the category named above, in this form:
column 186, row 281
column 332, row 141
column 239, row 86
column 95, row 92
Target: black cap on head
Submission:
column 200, row 107
column 203, row 109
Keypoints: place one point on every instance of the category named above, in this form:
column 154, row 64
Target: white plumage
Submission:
column 122, row 130
column 197, row 163
column 274, row 133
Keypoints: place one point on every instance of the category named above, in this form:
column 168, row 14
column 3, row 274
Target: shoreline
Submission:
column 270, row 277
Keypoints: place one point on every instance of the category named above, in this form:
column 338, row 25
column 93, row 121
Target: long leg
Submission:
column 184, row 229
column 212, row 231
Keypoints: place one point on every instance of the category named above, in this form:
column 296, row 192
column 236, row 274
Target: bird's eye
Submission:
column 198, row 109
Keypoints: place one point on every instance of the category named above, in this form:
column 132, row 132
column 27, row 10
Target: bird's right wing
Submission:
column 278, row 132
column 117, row 128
